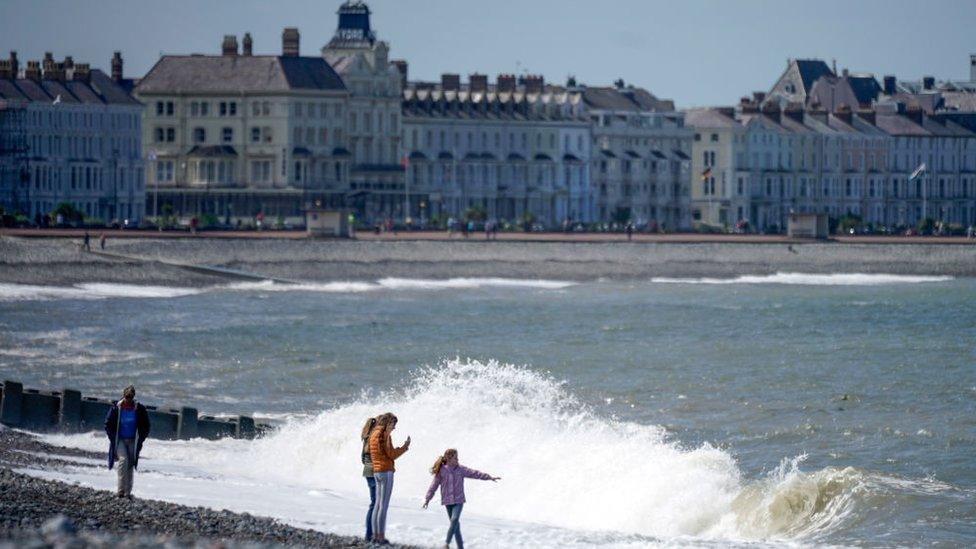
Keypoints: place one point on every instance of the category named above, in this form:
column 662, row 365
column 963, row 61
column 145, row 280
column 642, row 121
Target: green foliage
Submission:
column 68, row 211
column 209, row 220
column 475, row 213
column 848, row 222
column 926, row 226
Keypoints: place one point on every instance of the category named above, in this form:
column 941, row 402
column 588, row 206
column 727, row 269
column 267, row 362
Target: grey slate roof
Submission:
column 810, row 70
column 237, row 73
column 865, row 88
column 100, row 90
column 899, row 125
column 708, row 118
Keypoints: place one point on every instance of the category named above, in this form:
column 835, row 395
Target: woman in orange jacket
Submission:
column 382, row 453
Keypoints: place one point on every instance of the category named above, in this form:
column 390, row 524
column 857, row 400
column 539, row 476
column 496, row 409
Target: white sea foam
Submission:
column 808, row 279
column 569, row 476
column 403, row 284
column 90, row 291
column 30, row 292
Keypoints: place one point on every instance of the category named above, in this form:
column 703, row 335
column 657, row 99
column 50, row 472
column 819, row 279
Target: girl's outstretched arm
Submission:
column 472, row 473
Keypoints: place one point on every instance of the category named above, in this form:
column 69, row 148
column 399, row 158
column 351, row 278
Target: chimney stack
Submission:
column 248, row 44
column 5, row 69
column 117, row 66
column 401, row 66
column 890, row 85
column 450, row 81
column 33, row 71
column 229, row 46
column 48, row 63
column 914, row 112
column 772, row 111
column 758, row 97
column 928, row 83
column 478, row 82
column 82, row 72
column 505, row 83
column 534, row 83
column 53, row 71
column 289, row 42
column 844, row 113
column 69, row 62
column 868, row 115
column 14, row 64
column 794, row 111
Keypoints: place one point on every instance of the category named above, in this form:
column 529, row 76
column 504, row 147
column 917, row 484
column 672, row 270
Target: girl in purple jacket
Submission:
column 449, row 475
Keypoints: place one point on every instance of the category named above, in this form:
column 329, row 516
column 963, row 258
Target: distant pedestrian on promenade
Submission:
column 487, row 230
column 630, row 231
column 127, row 426
column 368, row 474
column 101, row 240
column 449, row 476
column 87, row 242
column 382, row 454
column 451, row 222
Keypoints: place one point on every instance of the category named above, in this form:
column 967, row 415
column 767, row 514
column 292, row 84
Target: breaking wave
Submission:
column 562, row 464
column 807, row 279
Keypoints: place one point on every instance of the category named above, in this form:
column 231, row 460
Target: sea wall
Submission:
column 58, row 262
column 69, row 412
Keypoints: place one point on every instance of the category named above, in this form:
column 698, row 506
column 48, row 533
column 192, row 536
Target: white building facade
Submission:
column 81, row 141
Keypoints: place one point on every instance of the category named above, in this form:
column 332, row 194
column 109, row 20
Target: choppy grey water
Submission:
column 869, row 381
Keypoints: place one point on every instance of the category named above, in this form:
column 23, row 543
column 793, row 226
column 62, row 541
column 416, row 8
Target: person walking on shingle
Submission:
column 127, row 426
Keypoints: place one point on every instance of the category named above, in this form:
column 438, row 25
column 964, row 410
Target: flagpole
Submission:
column 925, row 209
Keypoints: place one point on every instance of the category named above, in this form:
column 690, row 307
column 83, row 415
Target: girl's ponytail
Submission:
column 442, row 460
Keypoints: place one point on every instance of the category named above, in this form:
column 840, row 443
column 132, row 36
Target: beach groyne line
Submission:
column 224, row 272
column 69, row 412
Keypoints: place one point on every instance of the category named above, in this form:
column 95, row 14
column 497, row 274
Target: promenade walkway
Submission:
column 480, row 236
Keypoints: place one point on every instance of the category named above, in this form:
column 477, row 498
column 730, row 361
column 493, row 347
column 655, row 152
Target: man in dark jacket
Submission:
column 127, row 426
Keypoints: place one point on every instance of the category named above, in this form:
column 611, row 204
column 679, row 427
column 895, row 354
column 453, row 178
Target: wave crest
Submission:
column 563, row 465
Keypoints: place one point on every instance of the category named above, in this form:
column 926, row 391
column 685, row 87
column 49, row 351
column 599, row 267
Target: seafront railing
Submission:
column 68, row 411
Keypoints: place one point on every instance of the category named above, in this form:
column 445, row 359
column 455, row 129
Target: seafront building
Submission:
column 514, row 150
column 839, row 145
column 376, row 186
column 69, row 134
column 236, row 135
column 641, row 162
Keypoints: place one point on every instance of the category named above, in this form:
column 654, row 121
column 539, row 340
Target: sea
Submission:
column 782, row 410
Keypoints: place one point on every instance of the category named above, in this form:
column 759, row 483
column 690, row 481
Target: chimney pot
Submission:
column 534, row 83
column 505, row 83
column 117, row 66
column 290, row 42
column 401, row 65
column 229, row 45
column 33, row 71
column 478, row 82
column 248, row 43
column 450, row 81
column 890, row 85
column 14, row 64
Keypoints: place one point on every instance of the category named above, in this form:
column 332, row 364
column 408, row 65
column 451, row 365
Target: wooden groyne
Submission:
column 68, row 411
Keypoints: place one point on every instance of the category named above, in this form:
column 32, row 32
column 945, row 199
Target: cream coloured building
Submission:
column 237, row 134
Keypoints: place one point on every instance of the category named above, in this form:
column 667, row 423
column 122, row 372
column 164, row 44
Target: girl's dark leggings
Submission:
column 454, row 513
